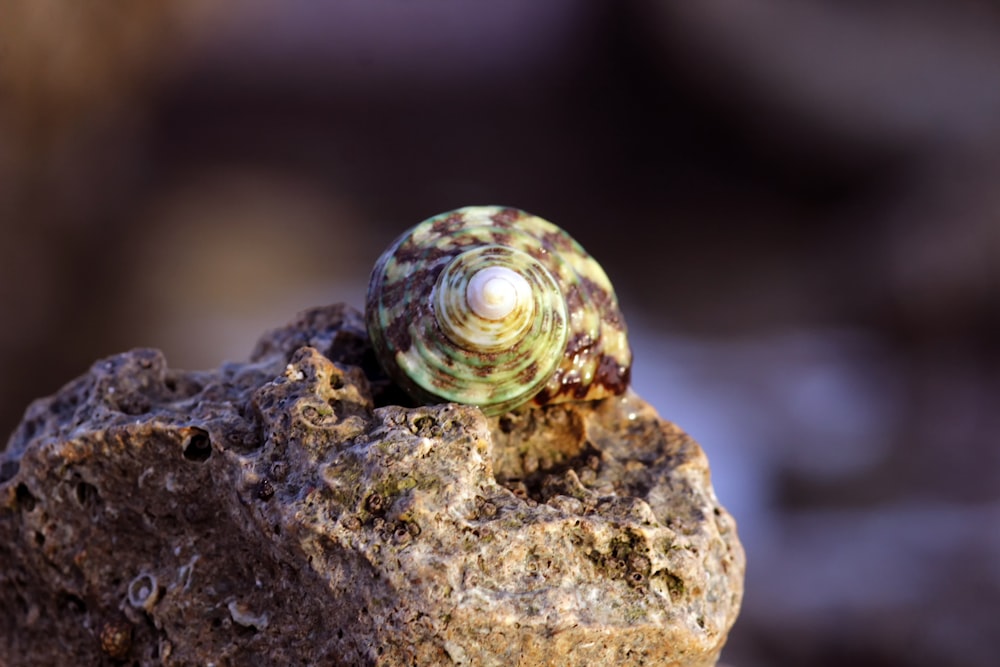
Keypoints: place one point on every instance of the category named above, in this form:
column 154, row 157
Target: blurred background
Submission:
column 797, row 201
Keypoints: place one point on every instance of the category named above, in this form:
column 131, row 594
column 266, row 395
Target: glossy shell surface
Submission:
column 495, row 307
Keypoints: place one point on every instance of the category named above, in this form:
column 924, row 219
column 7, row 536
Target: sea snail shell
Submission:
column 495, row 307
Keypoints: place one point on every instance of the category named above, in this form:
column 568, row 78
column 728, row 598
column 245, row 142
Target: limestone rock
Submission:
column 268, row 513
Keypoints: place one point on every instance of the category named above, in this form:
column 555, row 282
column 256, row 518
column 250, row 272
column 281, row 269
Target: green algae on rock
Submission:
column 271, row 512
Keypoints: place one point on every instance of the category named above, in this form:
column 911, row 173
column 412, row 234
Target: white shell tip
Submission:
column 494, row 292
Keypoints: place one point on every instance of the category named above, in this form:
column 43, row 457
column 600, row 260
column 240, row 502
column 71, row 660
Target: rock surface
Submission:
column 268, row 513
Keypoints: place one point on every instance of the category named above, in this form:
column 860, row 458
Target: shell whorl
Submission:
column 495, row 307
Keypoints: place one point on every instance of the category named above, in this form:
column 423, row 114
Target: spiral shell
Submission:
column 495, row 307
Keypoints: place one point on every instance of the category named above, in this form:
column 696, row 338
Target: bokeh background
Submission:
column 798, row 201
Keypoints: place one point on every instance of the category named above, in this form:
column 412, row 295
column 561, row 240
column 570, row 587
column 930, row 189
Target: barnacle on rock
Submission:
column 116, row 638
column 143, row 591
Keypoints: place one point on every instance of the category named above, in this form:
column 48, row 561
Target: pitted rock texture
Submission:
column 268, row 513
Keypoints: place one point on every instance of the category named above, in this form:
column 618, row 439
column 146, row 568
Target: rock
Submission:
column 269, row 513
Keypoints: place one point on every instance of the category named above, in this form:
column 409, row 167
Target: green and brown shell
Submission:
column 495, row 307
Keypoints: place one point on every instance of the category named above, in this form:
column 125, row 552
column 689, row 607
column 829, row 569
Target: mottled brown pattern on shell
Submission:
column 579, row 343
column 398, row 334
column 610, row 314
column 461, row 244
column 508, row 217
column 574, row 299
column 611, row 379
column 559, row 241
column 609, row 374
column 613, row 376
column 484, row 371
column 414, row 253
column 503, row 238
column 418, row 263
column 396, row 292
column 447, row 224
column 545, row 396
column 529, row 373
column 541, row 253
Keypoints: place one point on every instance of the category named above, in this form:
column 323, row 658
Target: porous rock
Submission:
column 269, row 513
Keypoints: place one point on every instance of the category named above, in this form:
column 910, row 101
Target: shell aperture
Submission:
column 494, row 307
